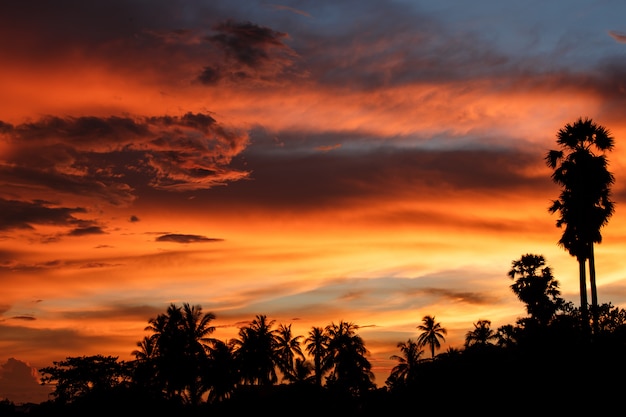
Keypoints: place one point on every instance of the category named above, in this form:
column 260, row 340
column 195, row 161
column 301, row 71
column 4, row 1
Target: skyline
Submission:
column 373, row 162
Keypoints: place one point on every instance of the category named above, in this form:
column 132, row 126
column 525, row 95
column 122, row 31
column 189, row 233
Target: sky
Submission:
column 312, row 161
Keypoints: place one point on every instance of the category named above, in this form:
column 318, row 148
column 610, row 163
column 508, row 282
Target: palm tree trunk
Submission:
column 594, row 290
column 584, row 308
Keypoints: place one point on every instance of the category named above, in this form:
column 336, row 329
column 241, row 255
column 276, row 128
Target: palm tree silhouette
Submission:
column 317, row 347
column 405, row 371
column 255, row 352
column 222, row 373
column 351, row 370
column 287, row 351
column 303, row 370
column 180, row 338
column 196, row 329
column 482, row 334
column 432, row 332
column 584, row 204
column 147, row 349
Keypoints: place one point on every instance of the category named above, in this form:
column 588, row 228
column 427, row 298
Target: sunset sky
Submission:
column 313, row 161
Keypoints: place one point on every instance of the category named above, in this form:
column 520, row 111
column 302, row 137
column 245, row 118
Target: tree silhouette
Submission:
column 181, row 337
column 303, row 370
column 145, row 368
column 404, row 372
column 535, row 286
column 584, row 203
column 223, row 374
column 99, row 384
column 351, row 370
column 147, row 349
column 255, row 352
column 317, row 347
column 482, row 334
column 507, row 336
column 432, row 332
column 287, row 351
column 77, row 377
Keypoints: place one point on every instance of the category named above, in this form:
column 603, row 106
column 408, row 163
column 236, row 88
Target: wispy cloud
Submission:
column 289, row 9
column 618, row 36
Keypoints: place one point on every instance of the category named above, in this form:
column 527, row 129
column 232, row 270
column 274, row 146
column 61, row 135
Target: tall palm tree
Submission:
column 584, row 204
column 287, row 351
column 432, row 333
column 404, row 372
column 482, row 334
column 317, row 347
column 196, row 328
column 170, row 348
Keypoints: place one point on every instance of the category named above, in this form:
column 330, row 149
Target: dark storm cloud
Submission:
column 116, row 154
column 246, row 42
column 24, row 214
column 55, row 181
column 318, row 180
column 179, row 44
column 182, row 238
column 250, row 52
column 390, row 44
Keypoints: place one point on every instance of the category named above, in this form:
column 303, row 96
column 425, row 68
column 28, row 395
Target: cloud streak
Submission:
column 182, row 238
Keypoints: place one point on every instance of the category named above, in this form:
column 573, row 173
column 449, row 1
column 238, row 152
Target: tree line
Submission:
column 557, row 351
column 180, row 367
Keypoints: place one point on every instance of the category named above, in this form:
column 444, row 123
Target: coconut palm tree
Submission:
column 180, row 338
column 351, row 370
column 255, row 352
column 303, row 372
column 482, row 334
column 404, row 372
column 317, row 347
column 287, row 351
column 196, row 328
column 584, row 204
column 146, row 351
column 223, row 375
column 432, row 333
